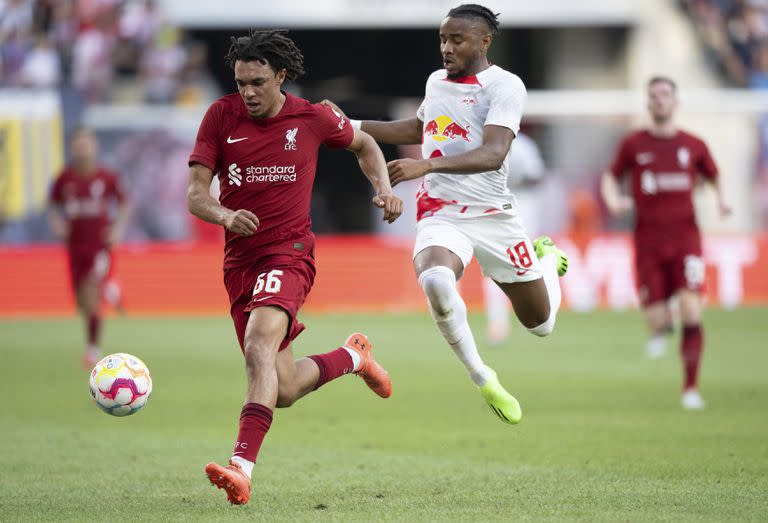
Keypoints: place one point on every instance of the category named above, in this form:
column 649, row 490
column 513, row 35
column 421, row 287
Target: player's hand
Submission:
column 334, row 107
column 114, row 236
column 406, row 169
column 241, row 222
column 61, row 231
column 392, row 205
column 621, row 206
column 725, row 209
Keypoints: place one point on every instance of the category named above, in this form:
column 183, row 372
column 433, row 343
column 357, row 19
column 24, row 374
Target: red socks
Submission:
column 255, row 420
column 94, row 329
column 692, row 343
column 332, row 365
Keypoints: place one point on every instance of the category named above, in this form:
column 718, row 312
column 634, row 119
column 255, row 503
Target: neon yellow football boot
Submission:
column 544, row 245
column 502, row 403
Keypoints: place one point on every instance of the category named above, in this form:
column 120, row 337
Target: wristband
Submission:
column 357, row 124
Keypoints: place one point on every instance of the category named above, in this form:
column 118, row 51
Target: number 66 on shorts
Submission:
column 268, row 282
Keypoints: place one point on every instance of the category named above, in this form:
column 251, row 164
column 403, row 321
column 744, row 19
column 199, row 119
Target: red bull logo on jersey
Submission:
column 445, row 128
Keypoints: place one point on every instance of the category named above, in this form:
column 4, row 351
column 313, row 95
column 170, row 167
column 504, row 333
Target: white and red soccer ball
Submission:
column 120, row 384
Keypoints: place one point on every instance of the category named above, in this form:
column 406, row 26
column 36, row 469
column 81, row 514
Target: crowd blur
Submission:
column 735, row 33
column 106, row 50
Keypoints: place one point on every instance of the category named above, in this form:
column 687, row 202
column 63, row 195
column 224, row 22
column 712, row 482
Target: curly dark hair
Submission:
column 271, row 47
column 477, row 12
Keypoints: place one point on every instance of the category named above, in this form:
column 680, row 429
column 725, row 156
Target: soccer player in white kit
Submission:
column 466, row 124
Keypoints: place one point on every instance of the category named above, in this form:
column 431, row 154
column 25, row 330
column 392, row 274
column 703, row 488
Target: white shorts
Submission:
column 498, row 241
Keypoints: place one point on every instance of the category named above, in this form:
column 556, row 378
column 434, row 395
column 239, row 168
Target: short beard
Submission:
column 467, row 66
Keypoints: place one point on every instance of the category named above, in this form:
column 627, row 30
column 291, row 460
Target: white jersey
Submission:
column 454, row 112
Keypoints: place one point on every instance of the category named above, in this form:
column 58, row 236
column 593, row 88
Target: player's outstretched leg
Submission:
column 450, row 315
column 659, row 320
column 501, row 402
column 297, row 378
column 554, row 264
column 691, row 348
column 373, row 374
column 232, row 479
column 88, row 299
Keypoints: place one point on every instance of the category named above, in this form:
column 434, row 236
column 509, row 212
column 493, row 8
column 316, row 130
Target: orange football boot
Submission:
column 232, row 479
column 372, row 373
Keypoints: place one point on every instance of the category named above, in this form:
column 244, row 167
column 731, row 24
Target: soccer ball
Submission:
column 120, row 384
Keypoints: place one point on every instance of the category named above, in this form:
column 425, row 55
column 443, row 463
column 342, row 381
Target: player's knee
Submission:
column 545, row 328
column 258, row 355
column 441, row 309
column 286, row 396
column 439, row 285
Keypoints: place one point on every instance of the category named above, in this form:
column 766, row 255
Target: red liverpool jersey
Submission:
column 85, row 201
column 267, row 166
column 663, row 174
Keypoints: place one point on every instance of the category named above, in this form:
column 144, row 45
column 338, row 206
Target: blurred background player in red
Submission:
column 82, row 203
column 663, row 164
column 262, row 145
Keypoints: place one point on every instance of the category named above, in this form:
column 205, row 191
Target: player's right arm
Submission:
column 618, row 204
column 207, row 208
column 59, row 224
column 398, row 132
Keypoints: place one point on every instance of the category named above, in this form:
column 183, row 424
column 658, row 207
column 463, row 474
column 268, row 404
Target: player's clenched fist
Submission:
column 241, row 222
column 406, row 169
column 392, row 205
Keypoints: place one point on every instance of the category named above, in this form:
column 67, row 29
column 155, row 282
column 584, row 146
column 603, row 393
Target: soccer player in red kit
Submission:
column 79, row 213
column 663, row 163
column 262, row 144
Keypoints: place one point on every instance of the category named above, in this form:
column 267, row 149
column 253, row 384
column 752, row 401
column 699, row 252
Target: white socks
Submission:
column 246, row 465
column 356, row 359
column 450, row 314
column 552, row 281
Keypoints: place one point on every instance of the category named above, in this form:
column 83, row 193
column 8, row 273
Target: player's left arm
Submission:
column 722, row 203
column 117, row 229
column 56, row 219
column 371, row 161
column 709, row 172
column 488, row 157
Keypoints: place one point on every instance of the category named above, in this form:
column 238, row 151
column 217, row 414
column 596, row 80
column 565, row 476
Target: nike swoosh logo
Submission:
column 230, row 140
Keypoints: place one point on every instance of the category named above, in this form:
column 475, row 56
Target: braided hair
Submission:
column 477, row 12
column 270, row 47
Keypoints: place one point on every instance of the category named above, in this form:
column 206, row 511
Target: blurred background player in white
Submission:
column 526, row 170
column 82, row 214
column 664, row 163
column 470, row 114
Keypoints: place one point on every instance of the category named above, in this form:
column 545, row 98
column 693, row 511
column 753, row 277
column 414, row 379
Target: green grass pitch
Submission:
column 602, row 439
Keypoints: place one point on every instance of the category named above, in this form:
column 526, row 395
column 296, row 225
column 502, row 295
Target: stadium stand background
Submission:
column 142, row 73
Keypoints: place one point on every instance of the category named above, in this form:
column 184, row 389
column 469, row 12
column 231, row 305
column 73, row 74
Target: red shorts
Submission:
column 277, row 280
column 663, row 269
column 89, row 263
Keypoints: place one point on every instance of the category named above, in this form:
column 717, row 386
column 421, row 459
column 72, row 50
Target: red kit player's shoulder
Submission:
column 691, row 138
column 107, row 173
column 636, row 136
column 229, row 106
column 301, row 107
column 65, row 173
column 226, row 109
